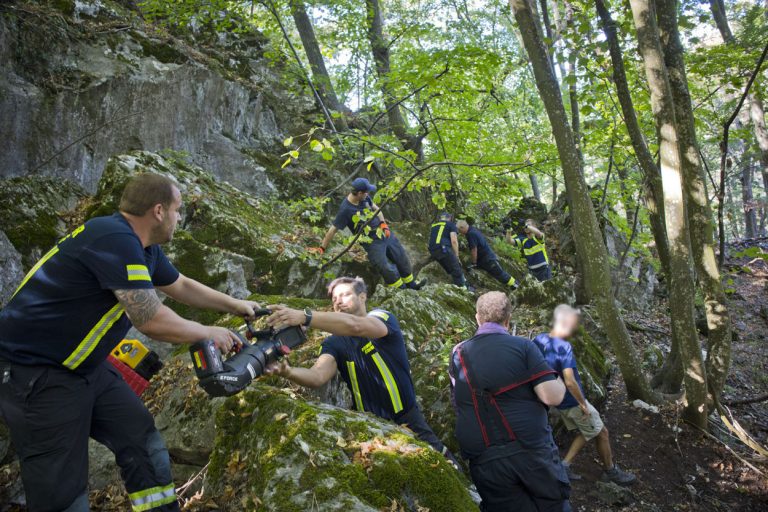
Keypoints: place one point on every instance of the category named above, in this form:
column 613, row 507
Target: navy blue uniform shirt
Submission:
column 440, row 235
column 377, row 371
column 350, row 216
column 559, row 355
column 475, row 239
column 65, row 311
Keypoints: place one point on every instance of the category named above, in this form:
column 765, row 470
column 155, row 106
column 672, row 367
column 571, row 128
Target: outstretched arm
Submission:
column 196, row 294
column 321, row 372
column 328, row 237
column 570, row 382
column 159, row 322
column 455, row 244
column 342, row 324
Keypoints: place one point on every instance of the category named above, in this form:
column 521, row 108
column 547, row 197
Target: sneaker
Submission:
column 572, row 476
column 618, row 476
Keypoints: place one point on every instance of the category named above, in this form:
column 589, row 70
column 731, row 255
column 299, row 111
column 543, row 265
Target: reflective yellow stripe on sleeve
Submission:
column 355, row 386
column 35, row 268
column 138, row 273
column 152, row 498
column 389, row 381
column 93, row 338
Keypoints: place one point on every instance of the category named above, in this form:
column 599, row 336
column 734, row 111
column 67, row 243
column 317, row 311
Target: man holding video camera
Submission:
column 57, row 388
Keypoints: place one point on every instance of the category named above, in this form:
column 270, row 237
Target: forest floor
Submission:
column 678, row 468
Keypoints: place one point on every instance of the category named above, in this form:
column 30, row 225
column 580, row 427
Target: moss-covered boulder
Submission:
column 277, row 452
column 34, row 213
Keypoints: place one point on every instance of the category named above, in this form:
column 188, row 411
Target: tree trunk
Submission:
column 757, row 114
column 586, row 232
column 718, row 13
column 315, row 57
column 652, row 177
column 747, row 200
column 697, row 204
column 380, row 51
column 681, row 289
column 535, row 187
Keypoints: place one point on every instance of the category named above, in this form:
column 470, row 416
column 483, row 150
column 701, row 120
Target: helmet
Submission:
column 445, row 216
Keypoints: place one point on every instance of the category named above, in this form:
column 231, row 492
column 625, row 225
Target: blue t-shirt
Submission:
column 533, row 249
column 559, row 355
column 351, row 216
column 440, row 235
column 65, row 311
column 377, row 372
column 475, row 239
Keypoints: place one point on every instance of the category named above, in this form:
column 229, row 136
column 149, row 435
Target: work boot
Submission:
column 572, row 476
column 417, row 285
column 618, row 476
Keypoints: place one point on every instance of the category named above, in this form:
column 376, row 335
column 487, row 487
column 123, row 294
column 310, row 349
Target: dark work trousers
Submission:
column 414, row 419
column 51, row 412
column 494, row 268
column 451, row 264
column 388, row 256
column 510, row 477
column 542, row 273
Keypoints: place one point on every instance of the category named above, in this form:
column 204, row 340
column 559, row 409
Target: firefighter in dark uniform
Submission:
column 444, row 248
column 501, row 388
column 531, row 242
column 384, row 250
column 483, row 256
column 368, row 350
column 75, row 304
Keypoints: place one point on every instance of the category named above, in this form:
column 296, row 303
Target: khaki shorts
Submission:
column 574, row 419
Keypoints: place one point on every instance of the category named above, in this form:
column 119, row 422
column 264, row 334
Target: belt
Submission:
column 498, row 451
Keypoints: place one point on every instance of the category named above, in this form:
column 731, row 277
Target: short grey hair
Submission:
column 462, row 224
column 493, row 307
column 359, row 285
column 562, row 311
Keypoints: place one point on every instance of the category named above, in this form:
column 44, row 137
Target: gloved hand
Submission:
column 471, row 267
column 385, row 229
column 316, row 250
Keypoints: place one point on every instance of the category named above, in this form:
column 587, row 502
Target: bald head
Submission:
column 462, row 226
column 493, row 307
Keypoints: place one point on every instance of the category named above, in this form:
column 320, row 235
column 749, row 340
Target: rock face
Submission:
column 13, row 272
column 290, row 455
column 78, row 91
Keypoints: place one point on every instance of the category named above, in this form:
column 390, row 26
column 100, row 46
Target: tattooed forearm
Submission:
column 140, row 305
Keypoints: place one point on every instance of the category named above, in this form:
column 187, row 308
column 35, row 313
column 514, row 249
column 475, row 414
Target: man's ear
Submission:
column 363, row 297
column 158, row 211
column 477, row 319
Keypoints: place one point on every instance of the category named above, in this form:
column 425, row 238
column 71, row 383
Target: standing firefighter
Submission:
column 444, row 248
column 483, row 256
column 531, row 242
column 384, row 250
column 72, row 308
column 501, row 387
column 368, row 350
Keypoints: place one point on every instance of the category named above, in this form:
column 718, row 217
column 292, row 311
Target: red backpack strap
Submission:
column 474, row 397
column 522, row 382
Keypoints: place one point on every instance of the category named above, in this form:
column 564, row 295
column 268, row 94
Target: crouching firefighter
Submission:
column 483, row 256
column 501, row 387
column 531, row 242
column 444, row 248
column 385, row 252
column 75, row 304
column 368, row 350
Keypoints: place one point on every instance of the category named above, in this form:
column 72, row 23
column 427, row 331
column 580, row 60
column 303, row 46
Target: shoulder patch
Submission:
column 379, row 313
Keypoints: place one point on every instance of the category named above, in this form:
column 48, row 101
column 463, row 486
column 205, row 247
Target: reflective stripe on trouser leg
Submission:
column 407, row 279
column 152, row 498
column 511, row 281
column 396, row 284
column 389, row 381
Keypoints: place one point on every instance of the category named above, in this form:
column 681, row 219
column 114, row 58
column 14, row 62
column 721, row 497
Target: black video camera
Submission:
column 226, row 377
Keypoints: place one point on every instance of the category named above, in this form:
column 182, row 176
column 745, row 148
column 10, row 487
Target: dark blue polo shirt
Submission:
column 559, row 355
column 65, row 311
column 440, row 235
column 475, row 239
column 377, row 372
column 489, row 363
column 350, row 216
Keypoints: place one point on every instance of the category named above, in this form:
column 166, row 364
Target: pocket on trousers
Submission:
column 546, row 475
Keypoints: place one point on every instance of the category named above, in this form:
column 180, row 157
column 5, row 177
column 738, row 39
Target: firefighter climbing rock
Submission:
column 385, row 252
column 70, row 311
